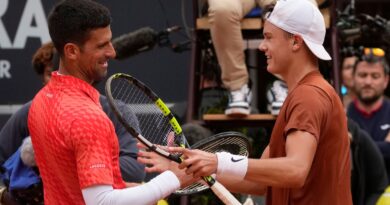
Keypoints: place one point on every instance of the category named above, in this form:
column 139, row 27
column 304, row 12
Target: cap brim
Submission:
column 318, row 50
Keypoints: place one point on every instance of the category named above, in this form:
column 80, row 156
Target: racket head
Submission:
column 154, row 120
column 232, row 142
column 143, row 114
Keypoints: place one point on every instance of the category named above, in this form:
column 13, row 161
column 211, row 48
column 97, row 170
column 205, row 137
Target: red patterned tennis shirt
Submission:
column 74, row 141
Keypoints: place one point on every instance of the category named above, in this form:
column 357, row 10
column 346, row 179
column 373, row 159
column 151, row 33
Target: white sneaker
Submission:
column 239, row 101
column 276, row 95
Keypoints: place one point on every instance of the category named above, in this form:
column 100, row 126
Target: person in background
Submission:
column 347, row 80
column 368, row 174
column 371, row 108
column 225, row 18
column 225, row 29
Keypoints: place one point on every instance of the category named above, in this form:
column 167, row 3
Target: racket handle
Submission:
column 175, row 158
column 224, row 194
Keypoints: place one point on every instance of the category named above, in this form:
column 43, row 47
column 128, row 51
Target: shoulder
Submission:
column 310, row 95
column 91, row 122
column 24, row 109
column 81, row 113
column 22, row 113
column 386, row 102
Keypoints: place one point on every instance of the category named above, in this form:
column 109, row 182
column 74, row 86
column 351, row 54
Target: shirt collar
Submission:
column 73, row 82
column 364, row 112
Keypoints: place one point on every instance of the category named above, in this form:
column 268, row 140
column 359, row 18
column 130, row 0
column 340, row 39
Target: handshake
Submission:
column 201, row 161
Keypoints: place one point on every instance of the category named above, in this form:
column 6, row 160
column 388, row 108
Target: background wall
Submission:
column 23, row 29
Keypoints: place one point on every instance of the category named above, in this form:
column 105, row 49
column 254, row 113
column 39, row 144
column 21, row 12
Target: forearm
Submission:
column 242, row 186
column 148, row 193
column 231, row 171
column 289, row 171
column 278, row 172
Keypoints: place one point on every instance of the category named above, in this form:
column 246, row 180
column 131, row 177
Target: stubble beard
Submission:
column 368, row 101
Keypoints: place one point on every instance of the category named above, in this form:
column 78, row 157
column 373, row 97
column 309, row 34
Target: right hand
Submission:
column 197, row 163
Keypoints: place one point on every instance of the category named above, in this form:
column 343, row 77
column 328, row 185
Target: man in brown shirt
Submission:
column 308, row 159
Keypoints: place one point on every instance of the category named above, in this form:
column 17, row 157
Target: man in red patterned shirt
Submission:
column 75, row 144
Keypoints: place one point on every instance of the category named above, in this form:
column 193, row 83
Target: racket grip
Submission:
column 176, row 158
column 223, row 194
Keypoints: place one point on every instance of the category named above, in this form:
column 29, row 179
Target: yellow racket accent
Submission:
column 162, row 202
column 162, row 107
column 209, row 177
column 175, row 125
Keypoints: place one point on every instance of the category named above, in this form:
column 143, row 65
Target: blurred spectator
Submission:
column 225, row 28
column 347, row 80
column 195, row 132
column 371, row 108
column 368, row 177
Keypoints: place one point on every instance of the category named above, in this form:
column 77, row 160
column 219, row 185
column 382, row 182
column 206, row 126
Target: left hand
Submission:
column 154, row 162
column 160, row 164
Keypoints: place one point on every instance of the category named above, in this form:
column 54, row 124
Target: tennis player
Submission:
column 308, row 158
column 75, row 145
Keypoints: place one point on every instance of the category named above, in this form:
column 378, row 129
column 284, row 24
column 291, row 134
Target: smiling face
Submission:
column 93, row 56
column 276, row 47
column 370, row 81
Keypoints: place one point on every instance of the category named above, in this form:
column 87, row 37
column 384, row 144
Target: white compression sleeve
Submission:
column 148, row 193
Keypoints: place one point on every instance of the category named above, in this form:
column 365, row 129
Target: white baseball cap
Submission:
column 303, row 18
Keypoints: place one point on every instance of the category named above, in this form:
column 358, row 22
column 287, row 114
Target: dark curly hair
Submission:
column 70, row 21
column 43, row 57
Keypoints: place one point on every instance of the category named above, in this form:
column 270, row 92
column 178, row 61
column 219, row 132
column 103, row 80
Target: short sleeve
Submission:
column 92, row 143
column 306, row 111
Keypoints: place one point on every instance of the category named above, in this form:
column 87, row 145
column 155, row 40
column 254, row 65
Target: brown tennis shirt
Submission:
column 314, row 106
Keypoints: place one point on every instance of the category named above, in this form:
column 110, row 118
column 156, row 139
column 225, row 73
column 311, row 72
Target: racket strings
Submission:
column 228, row 143
column 235, row 145
column 154, row 126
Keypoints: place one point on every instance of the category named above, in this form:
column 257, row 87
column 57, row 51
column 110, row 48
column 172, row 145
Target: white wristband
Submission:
column 232, row 165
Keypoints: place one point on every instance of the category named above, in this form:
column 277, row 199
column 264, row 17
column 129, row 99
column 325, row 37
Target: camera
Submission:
column 361, row 30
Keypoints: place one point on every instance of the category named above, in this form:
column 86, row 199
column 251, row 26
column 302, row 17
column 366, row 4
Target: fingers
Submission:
column 194, row 162
column 181, row 150
column 153, row 169
column 171, row 139
column 152, row 161
column 199, row 163
column 145, row 160
column 141, row 146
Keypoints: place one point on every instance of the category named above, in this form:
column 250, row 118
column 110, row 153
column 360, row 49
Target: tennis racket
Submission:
column 232, row 142
column 155, row 122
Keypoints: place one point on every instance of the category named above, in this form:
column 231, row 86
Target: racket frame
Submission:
column 217, row 188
